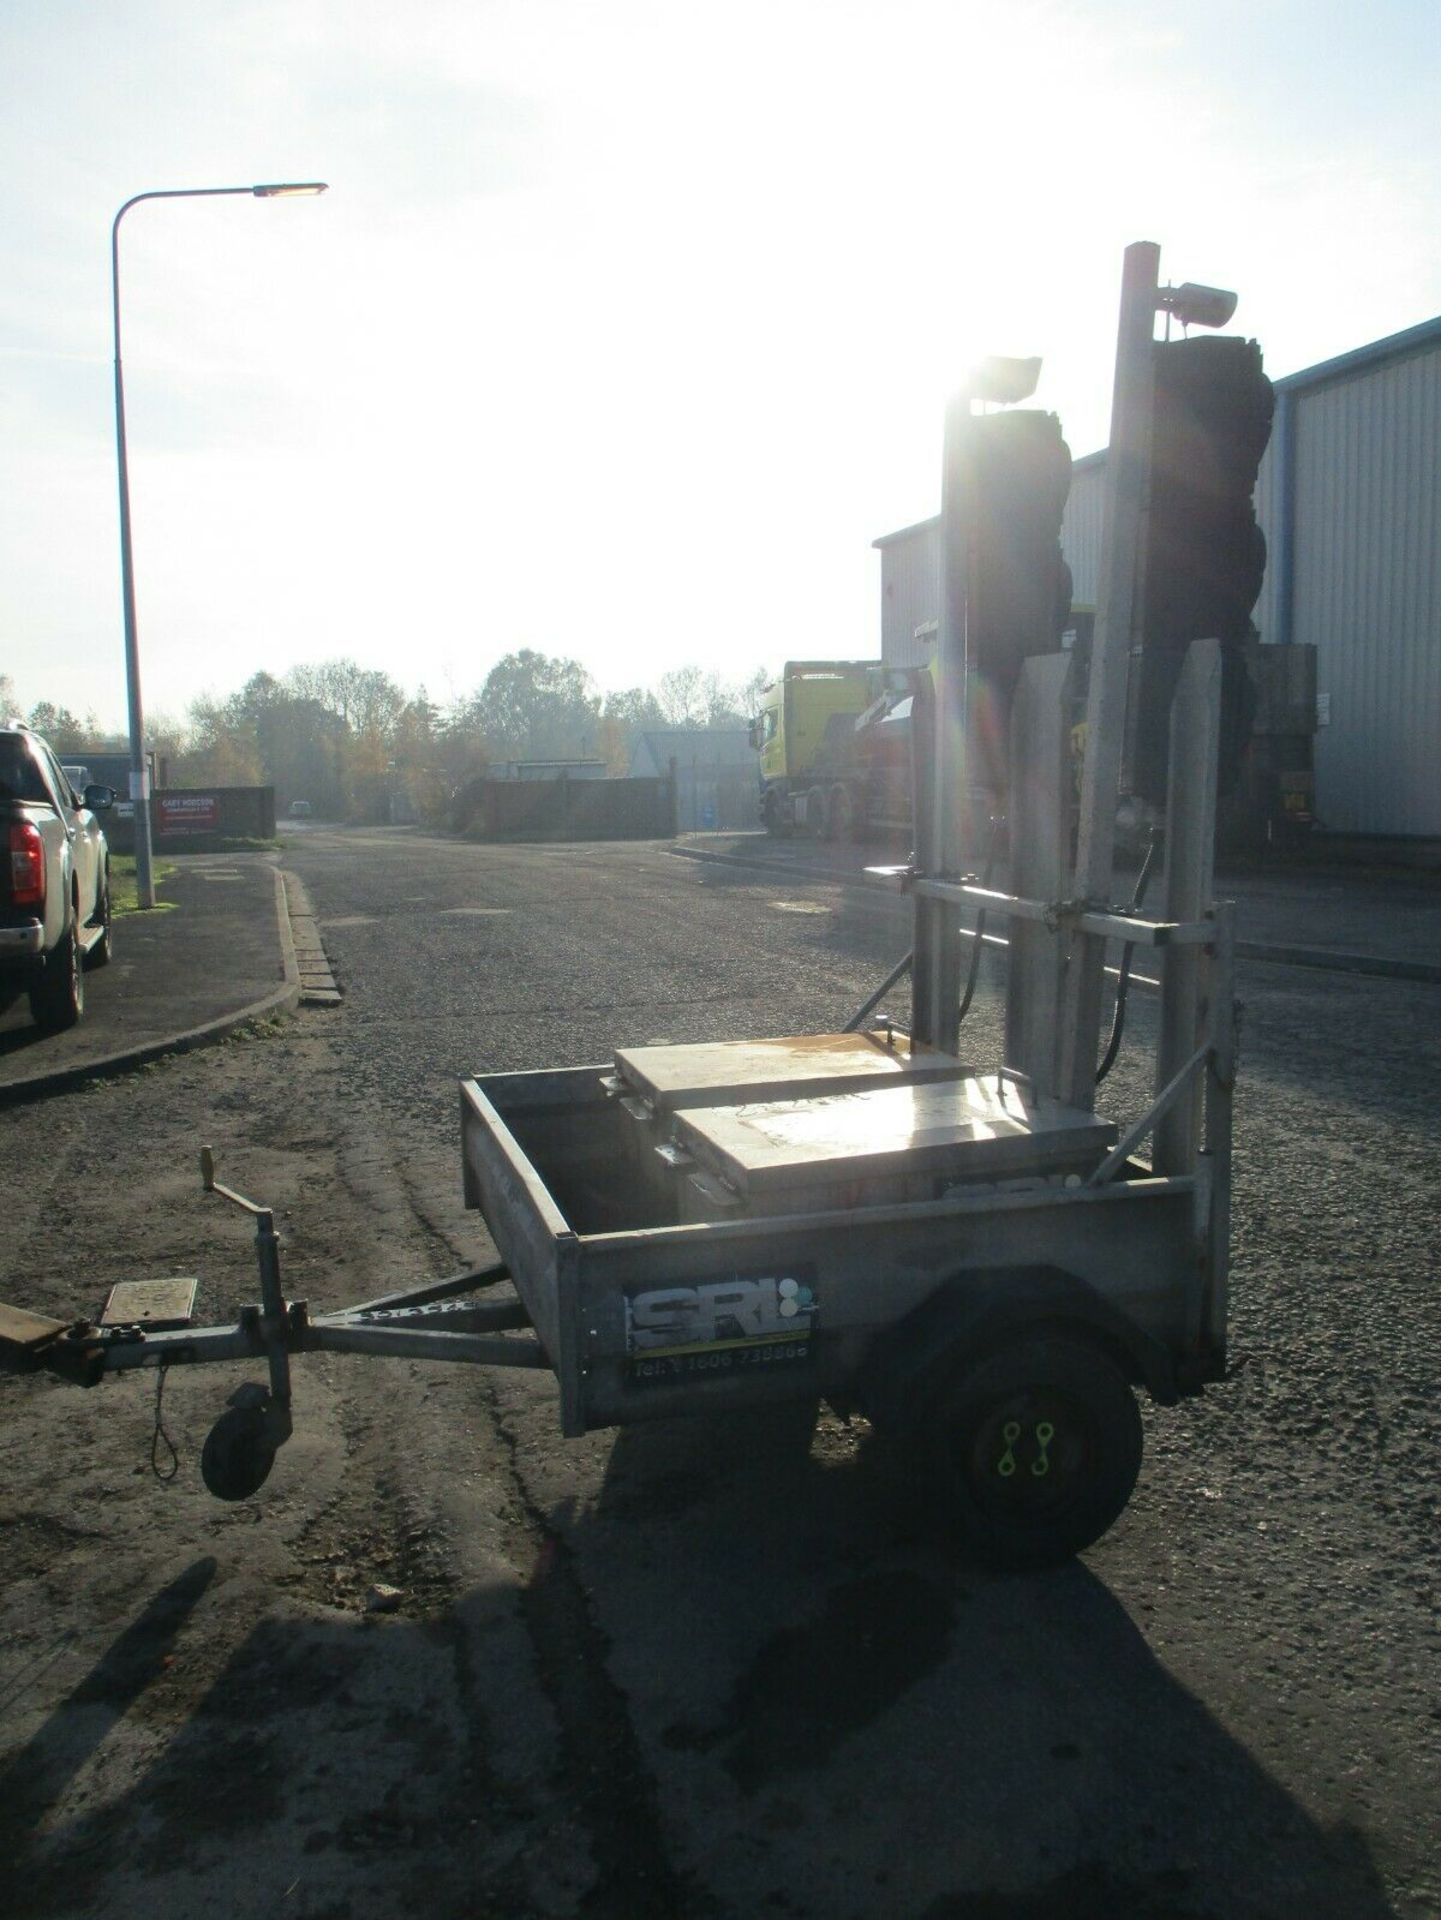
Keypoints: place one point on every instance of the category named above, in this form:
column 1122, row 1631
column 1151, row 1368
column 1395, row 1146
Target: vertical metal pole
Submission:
column 1220, row 1080
column 937, row 932
column 139, row 769
column 1190, row 862
column 139, row 773
column 923, row 749
column 272, row 1316
column 1040, row 828
column 1127, row 462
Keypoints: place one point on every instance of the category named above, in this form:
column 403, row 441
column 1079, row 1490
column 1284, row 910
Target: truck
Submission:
column 837, row 762
column 835, row 749
column 54, row 882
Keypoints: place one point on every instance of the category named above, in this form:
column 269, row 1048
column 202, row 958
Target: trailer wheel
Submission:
column 1040, row 1443
column 238, row 1454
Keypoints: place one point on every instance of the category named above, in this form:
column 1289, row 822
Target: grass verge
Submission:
column 123, row 898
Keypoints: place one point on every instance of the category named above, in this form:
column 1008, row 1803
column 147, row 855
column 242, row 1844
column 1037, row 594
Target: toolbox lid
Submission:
column 970, row 1129
column 731, row 1072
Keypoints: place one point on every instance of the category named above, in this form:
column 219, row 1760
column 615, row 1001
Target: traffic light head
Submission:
column 1205, row 556
column 1019, row 587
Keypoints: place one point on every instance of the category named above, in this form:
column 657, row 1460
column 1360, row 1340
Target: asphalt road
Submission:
column 702, row 1669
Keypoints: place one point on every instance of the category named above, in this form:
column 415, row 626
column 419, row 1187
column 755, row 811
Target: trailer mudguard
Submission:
column 974, row 1313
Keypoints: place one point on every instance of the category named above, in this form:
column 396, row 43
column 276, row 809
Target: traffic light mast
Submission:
column 1005, row 595
column 1118, row 627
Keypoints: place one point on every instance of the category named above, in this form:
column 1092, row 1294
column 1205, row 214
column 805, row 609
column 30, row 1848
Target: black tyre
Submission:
column 58, row 1001
column 1040, row 1443
column 238, row 1454
column 771, row 818
column 102, row 951
column 816, row 813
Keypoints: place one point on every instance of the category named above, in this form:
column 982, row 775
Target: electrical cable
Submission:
column 1123, row 979
column 160, row 1434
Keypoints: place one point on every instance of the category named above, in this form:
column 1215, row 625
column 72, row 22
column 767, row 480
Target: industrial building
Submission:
column 1348, row 500
column 714, row 768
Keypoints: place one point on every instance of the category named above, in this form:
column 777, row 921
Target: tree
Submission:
column 624, row 716
column 534, row 706
column 750, row 691
column 224, row 750
column 59, row 726
column 691, row 697
column 363, row 697
column 636, row 708
column 415, row 735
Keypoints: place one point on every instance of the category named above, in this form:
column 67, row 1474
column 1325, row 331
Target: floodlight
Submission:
column 1002, row 380
column 1197, row 306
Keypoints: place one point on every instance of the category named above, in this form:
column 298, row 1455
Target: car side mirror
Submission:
column 99, row 799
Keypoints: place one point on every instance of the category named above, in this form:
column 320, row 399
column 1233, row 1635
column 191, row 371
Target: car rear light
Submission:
column 27, row 866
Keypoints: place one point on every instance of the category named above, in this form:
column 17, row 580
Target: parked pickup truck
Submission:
column 54, row 881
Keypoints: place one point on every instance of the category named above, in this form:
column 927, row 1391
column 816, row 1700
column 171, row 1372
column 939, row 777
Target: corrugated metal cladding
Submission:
column 1364, row 573
column 1081, row 528
column 1368, row 593
column 910, row 594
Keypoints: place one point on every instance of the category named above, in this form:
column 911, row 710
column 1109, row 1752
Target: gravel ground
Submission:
column 706, row 1668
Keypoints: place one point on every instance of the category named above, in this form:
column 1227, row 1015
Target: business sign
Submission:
column 187, row 812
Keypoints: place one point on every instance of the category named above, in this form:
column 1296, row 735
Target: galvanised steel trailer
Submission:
column 962, row 1250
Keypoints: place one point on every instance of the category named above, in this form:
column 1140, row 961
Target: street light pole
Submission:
column 139, row 773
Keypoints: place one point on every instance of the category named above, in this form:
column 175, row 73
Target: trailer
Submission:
column 964, row 1250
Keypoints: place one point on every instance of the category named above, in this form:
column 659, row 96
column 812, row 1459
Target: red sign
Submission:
column 187, row 812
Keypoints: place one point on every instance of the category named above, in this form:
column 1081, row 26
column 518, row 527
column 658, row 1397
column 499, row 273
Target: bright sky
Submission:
column 624, row 329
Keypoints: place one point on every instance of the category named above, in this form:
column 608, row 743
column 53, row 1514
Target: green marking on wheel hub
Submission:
column 1010, row 1433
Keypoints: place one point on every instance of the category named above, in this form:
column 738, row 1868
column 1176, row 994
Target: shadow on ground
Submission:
column 859, row 1710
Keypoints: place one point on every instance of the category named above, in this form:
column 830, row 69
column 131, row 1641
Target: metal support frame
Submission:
column 423, row 1324
column 1215, row 1155
column 868, row 1006
column 1040, row 823
column 1155, row 1114
column 940, row 826
column 1117, row 601
column 1070, row 915
column 1190, row 864
column 433, row 1321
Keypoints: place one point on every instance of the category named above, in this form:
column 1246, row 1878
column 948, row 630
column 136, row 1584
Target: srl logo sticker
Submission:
column 738, row 1311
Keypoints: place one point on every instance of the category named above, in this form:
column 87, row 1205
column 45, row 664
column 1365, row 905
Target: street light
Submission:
column 139, row 775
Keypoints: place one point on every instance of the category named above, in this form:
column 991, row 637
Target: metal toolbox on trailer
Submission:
column 656, row 1083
